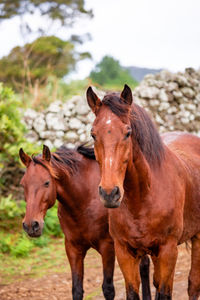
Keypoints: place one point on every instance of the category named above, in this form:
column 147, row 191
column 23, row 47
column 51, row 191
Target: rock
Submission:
column 82, row 108
column 177, row 94
column 55, row 122
column 163, row 106
column 74, row 123
column 55, row 107
column 47, row 134
column 32, row 136
column 29, row 116
column 59, row 134
column 57, row 143
column 163, row 95
column 172, row 86
column 154, row 102
column 39, row 123
column 172, row 110
column 149, row 92
column 71, row 136
column 82, row 137
column 188, row 92
column 165, row 75
column 181, row 80
column 70, row 146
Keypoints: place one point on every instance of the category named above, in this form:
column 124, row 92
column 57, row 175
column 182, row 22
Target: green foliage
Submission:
column 5, row 244
column 12, row 130
column 9, row 208
column 52, row 226
column 64, row 11
column 22, row 247
column 32, row 64
column 109, row 74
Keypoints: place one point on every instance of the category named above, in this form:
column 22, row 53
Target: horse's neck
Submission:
column 137, row 180
column 72, row 188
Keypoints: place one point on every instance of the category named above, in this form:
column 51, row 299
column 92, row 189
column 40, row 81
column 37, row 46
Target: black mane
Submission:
column 65, row 158
column 86, row 151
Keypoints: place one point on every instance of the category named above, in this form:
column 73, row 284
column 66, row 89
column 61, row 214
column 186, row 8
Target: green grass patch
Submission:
column 38, row 262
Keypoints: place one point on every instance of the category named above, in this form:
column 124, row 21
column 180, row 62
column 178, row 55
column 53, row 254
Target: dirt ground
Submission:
column 58, row 286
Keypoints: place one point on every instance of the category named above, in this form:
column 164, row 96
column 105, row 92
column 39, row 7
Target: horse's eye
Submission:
column 93, row 136
column 128, row 134
column 46, row 184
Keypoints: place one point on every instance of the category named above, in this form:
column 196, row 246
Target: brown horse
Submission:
column 154, row 186
column 72, row 177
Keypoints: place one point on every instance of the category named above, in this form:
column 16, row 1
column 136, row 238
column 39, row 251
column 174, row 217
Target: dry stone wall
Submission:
column 173, row 100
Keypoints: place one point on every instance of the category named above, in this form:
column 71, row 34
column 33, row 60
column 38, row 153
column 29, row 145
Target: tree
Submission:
column 65, row 11
column 35, row 62
column 109, row 73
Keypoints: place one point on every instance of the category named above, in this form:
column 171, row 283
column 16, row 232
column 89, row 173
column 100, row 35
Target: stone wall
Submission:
column 173, row 100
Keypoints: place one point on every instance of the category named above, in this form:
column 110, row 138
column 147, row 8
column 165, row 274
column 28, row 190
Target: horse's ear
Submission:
column 24, row 157
column 46, row 154
column 126, row 95
column 93, row 101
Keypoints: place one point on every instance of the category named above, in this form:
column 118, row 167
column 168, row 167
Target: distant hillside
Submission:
column 138, row 73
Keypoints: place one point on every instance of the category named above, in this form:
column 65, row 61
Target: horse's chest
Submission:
column 134, row 230
column 135, row 234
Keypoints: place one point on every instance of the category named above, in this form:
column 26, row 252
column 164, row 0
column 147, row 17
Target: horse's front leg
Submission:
column 108, row 259
column 129, row 266
column 194, row 277
column 144, row 274
column 164, row 267
column 76, row 257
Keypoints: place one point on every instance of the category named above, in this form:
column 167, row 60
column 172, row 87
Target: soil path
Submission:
column 58, row 286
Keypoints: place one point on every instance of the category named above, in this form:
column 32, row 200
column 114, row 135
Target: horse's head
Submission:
column 39, row 190
column 111, row 132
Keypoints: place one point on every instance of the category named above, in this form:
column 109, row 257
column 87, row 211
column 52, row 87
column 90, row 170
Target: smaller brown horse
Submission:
column 72, row 177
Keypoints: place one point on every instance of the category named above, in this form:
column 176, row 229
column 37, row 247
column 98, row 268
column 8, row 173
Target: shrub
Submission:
column 9, row 208
column 52, row 225
column 22, row 247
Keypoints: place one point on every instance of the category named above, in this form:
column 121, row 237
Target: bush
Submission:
column 22, row 247
column 52, row 225
column 9, row 208
column 12, row 130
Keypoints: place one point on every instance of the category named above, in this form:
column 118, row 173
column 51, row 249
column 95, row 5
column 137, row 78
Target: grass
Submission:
column 49, row 259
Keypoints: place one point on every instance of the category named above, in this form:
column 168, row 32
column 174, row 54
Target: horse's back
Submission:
column 182, row 144
column 186, row 147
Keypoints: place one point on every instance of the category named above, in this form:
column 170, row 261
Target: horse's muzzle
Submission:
column 34, row 230
column 110, row 200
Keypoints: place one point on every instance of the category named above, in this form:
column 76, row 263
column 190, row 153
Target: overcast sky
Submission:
column 147, row 33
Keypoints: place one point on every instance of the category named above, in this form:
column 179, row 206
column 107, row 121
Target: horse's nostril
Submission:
column 115, row 193
column 25, row 226
column 101, row 190
column 35, row 226
column 113, row 196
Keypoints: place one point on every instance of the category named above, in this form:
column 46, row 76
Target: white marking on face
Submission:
column 108, row 121
column 110, row 162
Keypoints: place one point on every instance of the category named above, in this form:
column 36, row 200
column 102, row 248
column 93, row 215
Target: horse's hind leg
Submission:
column 76, row 257
column 194, row 276
column 108, row 259
column 144, row 274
